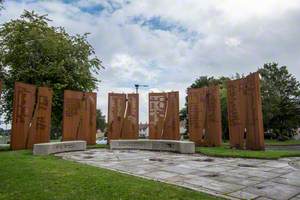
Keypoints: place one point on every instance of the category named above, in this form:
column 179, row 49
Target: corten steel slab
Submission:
column 236, row 107
column 171, row 122
column 72, row 115
column 254, row 125
column 157, row 114
column 39, row 131
column 89, row 117
column 0, row 88
column 204, row 113
column 213, row 119
column 130, row 129
column 79, row 120
column 197, row 114
column 116, row 110
column 245, row 113
column 23, row 105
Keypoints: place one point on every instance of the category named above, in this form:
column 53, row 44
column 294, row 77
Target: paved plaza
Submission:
column 232, row 178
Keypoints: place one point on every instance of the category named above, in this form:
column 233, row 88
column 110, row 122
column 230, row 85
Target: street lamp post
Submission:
column 137, row 87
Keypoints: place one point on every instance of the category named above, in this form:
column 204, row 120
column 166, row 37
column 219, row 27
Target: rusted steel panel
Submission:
column 197, row 114
column 23, row 105
column 204, row 114
column 39, row 131
column 171, row 122
column 72, row 115
column 0, row 87
column 130, row 127
column 213, row 120
column 89, row 117
column 254, row 123
column 116, row 110
column 79, row 119
column 164, row 116
column 157, row 114
column 245, row 113
column 236, row 107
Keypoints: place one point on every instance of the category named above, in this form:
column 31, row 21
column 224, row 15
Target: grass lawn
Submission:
column 98, row 146
column 287, row 142
column 24, row 176
column 274, row 142
column 225, row 151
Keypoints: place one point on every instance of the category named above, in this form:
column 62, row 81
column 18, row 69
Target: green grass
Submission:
column 24, row 176
column 226, row 151
column 274, row 142
column 55, row 140
column 98, row 146
column 287, row 142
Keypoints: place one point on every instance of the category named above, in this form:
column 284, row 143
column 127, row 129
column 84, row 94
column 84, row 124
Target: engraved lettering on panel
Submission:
column 72, row 107
column 132, row 109
column 157, row 108
column 212, row 104
column 22, row 109
column 233, row 94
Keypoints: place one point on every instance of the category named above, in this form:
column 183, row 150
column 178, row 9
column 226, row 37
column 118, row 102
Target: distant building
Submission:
column 297, row 136
column 182, row 127
column 4, row 139
column 100, row 134
column 143, row 130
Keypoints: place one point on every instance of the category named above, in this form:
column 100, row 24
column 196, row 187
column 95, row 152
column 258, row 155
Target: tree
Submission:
column 280, row 93
column 1, row 4
column 204, row 81
column 280, row 101
column 100, row 120
column 33, row 52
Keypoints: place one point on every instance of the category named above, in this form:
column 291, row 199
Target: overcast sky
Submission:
column 167, row 44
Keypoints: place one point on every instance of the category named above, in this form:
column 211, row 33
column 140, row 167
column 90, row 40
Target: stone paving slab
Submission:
column 214, row 185
column 232, row 178
column 273, row 190
column 235, row 180
column 243, row 195
column 296, row 197
column 290, row 181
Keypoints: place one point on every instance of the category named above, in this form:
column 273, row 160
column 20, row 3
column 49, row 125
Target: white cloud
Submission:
column 217, row 38
column 126, row 67
column 232, row 42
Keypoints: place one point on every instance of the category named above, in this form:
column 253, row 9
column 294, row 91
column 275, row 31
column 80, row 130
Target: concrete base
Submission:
column 156, row 145
column 58, row 147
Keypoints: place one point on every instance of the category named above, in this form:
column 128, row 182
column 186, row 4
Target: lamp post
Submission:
column 137, row 87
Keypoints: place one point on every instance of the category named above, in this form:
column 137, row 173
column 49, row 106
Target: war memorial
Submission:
column 164, row 156
column 32, row 117
column 149, row 100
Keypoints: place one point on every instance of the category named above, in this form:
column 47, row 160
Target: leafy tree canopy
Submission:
column 1, row 4
column 280, row 101
column 280, row 93
column 34, row 52
column 204, row 81
column 100, row 120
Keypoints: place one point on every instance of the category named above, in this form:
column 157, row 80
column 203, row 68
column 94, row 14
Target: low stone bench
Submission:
column 58, row 147
column 156, row 145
